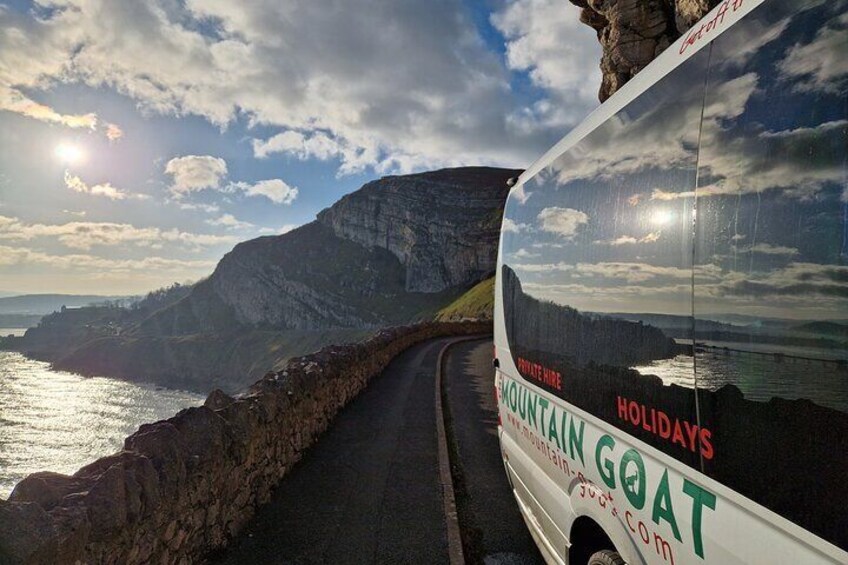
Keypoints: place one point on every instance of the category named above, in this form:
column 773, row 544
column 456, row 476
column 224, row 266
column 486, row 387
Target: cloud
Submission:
column 772, row 160
column 193, row 173
column 104, row 189
column 562, row 221
column 85, row 235
column 510, row 226
column 807, row 280
column 546, row 39
column 12, row 256
column 767, row 249
column 629, row 240
column 318, row 145
column 524, row 254
column 208, row 208
column 819, row 65
column 275, row 190
column 113, row 132
column 13, row 100
column 392, row 86
column 229, row 221
column 279, row 231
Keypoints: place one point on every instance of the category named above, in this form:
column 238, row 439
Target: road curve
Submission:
column 368, row 491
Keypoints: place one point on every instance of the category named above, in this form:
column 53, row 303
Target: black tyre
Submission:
column 606, row 557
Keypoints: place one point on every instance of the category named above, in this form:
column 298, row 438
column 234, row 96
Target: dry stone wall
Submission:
column 183, row 487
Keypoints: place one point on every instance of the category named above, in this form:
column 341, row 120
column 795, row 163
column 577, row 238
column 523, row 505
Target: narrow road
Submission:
column 368, row 491
column 493, row 530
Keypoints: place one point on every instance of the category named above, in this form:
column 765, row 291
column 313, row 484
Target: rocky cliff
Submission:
column 442, row 226
column 398, row 250
column 633, row 32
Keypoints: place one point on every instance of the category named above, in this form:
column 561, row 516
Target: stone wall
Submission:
column 183, row 487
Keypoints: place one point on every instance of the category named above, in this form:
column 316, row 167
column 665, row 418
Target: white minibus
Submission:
column 671, row 306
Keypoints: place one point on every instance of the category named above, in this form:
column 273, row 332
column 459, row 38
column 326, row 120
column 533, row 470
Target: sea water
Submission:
column 58, row 421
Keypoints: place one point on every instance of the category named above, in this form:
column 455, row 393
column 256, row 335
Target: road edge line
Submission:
column 455, row 551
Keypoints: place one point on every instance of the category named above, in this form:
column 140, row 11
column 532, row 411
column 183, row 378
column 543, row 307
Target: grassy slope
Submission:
column 476, row 303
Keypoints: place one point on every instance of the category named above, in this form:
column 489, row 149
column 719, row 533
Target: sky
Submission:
column 141, row 140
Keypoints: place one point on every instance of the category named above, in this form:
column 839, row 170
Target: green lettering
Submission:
column 700, row 498
column 543, row 402
column 663, row 508
column 634, row 486
column 575, row 439
column 531, row 408
column 513, row 397
column 563, row 431
column 522, row 403
column 609, row 476
column 552, row 430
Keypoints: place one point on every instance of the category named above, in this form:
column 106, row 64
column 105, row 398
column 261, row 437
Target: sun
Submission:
column 69, row 153
column 662, row 217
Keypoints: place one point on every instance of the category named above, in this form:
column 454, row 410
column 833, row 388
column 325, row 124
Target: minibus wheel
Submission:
column 606, row 557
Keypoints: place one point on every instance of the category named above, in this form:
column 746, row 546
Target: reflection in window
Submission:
column 597, row 275
column 771, row 311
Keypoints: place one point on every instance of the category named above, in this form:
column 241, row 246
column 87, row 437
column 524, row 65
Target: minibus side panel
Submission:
column 771, row 286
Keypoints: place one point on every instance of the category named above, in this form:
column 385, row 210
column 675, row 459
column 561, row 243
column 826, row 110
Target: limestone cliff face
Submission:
column 442, row 226
column 400, row 247
column 633, row 32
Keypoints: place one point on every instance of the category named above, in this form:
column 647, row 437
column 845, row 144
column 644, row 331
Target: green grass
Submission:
column 476, row 303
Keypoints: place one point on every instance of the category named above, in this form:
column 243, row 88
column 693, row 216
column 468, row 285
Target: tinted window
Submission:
column 597, row 274
column 771, row 305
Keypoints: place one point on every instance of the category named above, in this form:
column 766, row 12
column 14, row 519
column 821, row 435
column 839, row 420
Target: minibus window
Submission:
column 597, row 268
column 771, row 280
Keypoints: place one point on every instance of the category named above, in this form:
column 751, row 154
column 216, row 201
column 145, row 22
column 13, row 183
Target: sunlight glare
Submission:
column 69, row 153
column 662, row 217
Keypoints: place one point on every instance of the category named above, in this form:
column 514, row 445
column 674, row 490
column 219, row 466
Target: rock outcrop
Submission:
column 185, row 486
column 398, row 247
column 442, row 225
column 633, row 32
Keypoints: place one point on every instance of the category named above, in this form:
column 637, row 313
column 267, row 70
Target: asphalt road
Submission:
column 493, row 531
column 368, row 491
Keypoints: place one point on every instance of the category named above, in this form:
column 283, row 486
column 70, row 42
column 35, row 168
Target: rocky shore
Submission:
column 183, row 487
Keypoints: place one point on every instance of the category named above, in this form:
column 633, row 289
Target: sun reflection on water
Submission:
column 56, row 421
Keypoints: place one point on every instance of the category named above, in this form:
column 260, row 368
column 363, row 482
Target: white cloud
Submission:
column 85, row 235
column 229, row 221
column 630, row 240
column 114, row 132
column 768, row 249
column 193, row 173
column 279, row 231
column 510, row 226
column 103, row 189
column 561, row 54
column 400, row 84
column 208, row 208
column 820, row 65
column 318, row 145
column 562, row 221
column 12, row 100
column 10, row 256
column 275, row 190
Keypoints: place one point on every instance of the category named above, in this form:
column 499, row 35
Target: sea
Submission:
column 801, row 372
column 59, row 421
